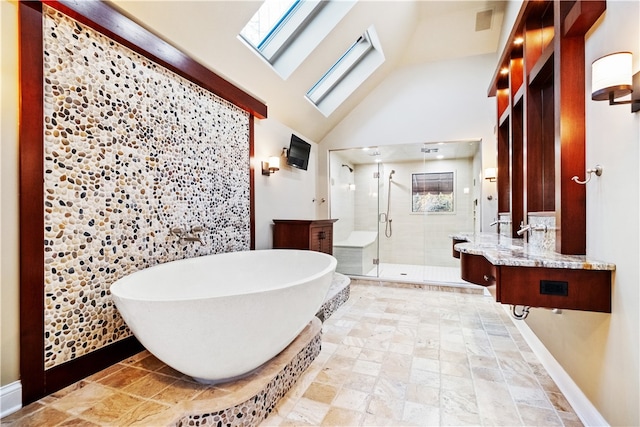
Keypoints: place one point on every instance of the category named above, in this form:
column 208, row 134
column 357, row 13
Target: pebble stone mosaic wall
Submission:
column 131, row 151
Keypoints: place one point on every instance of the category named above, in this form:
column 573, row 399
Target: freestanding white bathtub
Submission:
column 219, row 317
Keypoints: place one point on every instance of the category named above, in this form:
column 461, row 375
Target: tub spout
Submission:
column 194, row 235
column 192, row 238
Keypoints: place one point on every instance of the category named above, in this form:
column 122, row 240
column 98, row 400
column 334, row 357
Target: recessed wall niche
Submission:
column 131, row 150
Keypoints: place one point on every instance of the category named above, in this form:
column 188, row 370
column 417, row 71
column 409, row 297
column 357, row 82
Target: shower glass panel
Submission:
column 397, row 205
column 354, row 200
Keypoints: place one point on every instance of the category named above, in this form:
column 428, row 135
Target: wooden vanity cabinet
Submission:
column 573, row 289
column 476, row 269
column 588, row 290
column 315, row 235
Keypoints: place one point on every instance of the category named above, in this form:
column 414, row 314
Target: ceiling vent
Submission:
column 483, row 20
column 428, row 150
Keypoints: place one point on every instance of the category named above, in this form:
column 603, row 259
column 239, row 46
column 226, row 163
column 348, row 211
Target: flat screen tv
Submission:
column 298, row 155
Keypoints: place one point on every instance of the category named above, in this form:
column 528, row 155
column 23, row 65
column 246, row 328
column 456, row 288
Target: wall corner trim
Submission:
column 10, row 398
column 585, row 410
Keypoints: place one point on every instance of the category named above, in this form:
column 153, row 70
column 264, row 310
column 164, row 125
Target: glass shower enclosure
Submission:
column 397, row 206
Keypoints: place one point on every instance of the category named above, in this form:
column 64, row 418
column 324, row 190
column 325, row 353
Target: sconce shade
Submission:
column 490, row 174
column 270, row 166
column 611, row 76
column 274, row 163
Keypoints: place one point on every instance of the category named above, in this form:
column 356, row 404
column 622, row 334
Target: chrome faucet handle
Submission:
column 197, row 229
column 177, row 231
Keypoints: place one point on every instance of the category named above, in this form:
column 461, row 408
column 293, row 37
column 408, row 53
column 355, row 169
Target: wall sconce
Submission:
column 611, row 79
column 271, row 166
column 490, row 174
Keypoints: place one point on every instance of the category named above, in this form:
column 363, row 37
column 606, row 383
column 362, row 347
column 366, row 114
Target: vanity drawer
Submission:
column 556, row 288
column 476, row 269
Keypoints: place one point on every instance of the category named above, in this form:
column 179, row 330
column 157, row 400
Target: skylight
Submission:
column 265, row 20
column 350, row 70
column 285, row 32
column 275, row 24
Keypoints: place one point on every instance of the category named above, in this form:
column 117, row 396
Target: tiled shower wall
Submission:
column 417, row 238
column 131, row 151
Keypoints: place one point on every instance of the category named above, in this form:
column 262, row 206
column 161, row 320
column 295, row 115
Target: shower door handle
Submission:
column 382, row 217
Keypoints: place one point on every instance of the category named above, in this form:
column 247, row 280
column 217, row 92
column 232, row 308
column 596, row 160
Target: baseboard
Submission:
column 10, row 398
column 585, row 410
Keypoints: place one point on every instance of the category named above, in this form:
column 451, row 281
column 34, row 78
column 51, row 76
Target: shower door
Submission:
column 401, row 230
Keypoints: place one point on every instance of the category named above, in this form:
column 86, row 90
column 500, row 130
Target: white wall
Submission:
column 440, row 101
column 9, row 260
column 601, row 351
column 287, row 193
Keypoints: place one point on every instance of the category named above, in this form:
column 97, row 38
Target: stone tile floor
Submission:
column 418, row 357
column 390, row 356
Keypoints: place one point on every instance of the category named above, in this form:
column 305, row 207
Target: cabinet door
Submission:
column 315, row 238
column 321, row 239
column 327, row 240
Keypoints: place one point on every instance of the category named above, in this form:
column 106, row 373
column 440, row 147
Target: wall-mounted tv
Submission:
column 298, row 155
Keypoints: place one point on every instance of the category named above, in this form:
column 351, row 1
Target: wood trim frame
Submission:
column 36, row 381
column 555, row 69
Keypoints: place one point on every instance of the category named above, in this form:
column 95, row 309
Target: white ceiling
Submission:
column 410, row 31
column 398, row 153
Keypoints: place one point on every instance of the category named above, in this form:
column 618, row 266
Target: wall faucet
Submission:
column 539, row 227
column 523, row 229
column 191, row 236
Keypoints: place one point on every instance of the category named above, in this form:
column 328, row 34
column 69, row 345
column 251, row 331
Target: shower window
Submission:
column 432, row 192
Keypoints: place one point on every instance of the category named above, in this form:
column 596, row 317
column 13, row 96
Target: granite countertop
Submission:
column 501, row 250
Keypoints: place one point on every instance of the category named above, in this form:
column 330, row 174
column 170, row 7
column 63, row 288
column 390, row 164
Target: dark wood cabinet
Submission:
column 588, row 290
column 476, row 269
column 573, row 289
column 315, row 235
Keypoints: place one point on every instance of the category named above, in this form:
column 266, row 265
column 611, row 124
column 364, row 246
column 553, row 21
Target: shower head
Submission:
column 392, row 172
column 348, row 167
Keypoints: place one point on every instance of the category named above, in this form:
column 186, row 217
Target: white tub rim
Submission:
column 124, row 280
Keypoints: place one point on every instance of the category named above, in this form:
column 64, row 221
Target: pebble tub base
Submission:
column 250, row 399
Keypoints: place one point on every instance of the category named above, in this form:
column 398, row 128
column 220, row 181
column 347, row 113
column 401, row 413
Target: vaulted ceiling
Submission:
column 411, row 32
